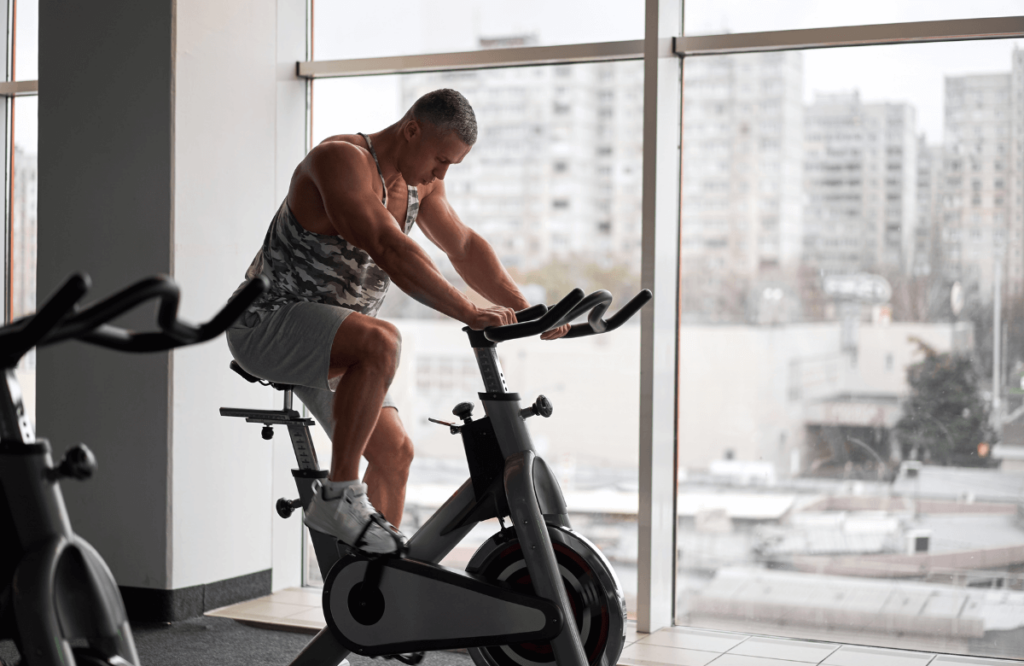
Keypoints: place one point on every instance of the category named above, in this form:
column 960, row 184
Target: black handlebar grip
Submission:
column 537, row 326
column 596, row 303
column 616, row 320
column 531, row 313
column 97, row 314
column 234, row 309
column 181, row 334
column 18, row 338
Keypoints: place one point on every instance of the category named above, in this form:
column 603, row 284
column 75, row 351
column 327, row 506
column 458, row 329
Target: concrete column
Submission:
column 165, row 129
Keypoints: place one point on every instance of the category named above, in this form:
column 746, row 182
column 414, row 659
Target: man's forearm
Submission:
column 484, row 273
column 411, row 269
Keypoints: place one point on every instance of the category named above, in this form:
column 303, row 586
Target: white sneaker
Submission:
column 352, row 519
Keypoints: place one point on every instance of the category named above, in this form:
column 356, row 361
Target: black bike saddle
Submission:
column 253, row 379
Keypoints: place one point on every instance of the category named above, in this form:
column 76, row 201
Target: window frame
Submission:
column 10, row 88
column 663, row 49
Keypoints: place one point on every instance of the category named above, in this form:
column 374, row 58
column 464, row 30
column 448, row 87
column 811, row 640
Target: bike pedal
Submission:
column 412, row 658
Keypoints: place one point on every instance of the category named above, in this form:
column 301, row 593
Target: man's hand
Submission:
column 555, row 333
column 492, row 316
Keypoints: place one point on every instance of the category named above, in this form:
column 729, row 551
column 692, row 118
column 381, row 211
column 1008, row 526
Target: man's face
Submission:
column 430, row 153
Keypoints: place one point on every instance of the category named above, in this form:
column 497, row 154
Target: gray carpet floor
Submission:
column 216, row 641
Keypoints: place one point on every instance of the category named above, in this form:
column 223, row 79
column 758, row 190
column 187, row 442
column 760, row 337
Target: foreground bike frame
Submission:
column 534, row 593
column 55, row 588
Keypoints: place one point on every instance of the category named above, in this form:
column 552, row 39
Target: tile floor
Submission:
column 299, row 609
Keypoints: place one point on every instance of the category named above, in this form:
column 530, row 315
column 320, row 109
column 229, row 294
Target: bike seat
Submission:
column 253, row 379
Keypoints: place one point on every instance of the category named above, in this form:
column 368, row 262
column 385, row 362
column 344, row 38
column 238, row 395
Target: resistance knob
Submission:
column 267, row 432
column 464, row 410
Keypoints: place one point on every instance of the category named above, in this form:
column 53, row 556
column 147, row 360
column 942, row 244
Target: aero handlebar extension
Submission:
column 55, row 322
column 538, row 319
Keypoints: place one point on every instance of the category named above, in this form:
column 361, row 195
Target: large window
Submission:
column 850, row 432
column 19, row 238
column 852, row 225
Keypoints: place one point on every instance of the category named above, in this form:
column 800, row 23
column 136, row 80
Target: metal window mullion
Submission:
column 8, row 145
column 749, row 42
column 19, row 88
column 485, row 59
column 919, row 32
column 659, row 272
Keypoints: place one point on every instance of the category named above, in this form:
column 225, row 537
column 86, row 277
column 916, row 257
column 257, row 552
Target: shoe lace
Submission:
column 360, row 502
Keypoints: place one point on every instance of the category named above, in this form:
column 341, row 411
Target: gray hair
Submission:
column 448, row 111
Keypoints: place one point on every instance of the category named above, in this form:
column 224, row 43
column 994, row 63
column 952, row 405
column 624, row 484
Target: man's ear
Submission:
column 412, row 129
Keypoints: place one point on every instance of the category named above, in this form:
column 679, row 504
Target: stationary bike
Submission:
column 54, row 587
column 536, row 592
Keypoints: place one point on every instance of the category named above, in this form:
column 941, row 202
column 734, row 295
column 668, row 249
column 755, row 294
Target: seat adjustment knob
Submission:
column 79, row 463
column 286, row 507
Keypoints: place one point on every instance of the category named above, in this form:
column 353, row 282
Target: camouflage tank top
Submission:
column 306, row 266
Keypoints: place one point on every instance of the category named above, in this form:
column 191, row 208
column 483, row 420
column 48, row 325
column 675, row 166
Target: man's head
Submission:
column 439, row 130
column 448, row 112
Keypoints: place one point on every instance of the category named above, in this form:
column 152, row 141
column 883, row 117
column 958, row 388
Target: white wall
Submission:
column 239, row 131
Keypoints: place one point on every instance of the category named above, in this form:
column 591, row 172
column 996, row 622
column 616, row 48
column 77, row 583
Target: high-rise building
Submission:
column 742, row 165
column 556, row 170
column 23, row 234
column 927, row 257
column 1016, row 179
column 977, row 229
column 860, row 180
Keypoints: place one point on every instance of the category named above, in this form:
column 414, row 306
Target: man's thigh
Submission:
column 292, row 345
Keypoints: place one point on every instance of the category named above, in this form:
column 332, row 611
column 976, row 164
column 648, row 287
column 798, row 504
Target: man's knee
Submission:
column 384, row 344
column 404, row 453
column 392, row 458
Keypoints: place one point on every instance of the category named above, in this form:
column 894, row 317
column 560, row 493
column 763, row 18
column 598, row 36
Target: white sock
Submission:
column 335, row 489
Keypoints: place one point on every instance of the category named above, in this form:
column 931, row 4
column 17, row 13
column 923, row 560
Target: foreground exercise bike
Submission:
column 537, row 592
column 58, row 599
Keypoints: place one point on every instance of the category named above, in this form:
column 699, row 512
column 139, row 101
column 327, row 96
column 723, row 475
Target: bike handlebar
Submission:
column 52, row 322
column 567, row 309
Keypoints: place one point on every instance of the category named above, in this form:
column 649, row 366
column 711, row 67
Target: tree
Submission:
column 560, row 276
column 945, row 419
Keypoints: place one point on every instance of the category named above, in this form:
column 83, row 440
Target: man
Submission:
column 338, row 240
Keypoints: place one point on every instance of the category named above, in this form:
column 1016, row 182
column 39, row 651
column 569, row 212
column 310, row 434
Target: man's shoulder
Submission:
column 340, row 155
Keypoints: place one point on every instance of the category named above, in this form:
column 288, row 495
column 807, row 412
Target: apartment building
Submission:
column 556, row 172
column 978, row 231
column 742, row 219
column 860, row 181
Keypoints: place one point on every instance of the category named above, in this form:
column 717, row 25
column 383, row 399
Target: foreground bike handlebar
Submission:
column 54, row 321
column 567, row 309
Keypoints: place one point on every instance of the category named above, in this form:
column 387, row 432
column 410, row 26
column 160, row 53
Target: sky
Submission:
column 910, row 73
column 26, row 62
column 905, row 73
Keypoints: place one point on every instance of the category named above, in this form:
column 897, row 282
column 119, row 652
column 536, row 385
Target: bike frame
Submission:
column 59, row 585
column 527, row 491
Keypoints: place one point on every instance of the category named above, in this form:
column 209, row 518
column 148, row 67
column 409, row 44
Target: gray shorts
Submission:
column 293, row 346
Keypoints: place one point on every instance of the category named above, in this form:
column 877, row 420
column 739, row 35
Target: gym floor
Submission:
column 300, row 610
column 242, row 635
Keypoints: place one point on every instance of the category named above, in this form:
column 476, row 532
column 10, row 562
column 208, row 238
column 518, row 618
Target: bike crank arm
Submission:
column 417, row 607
